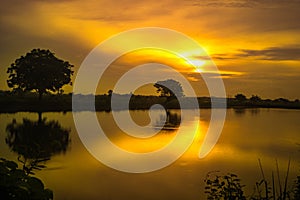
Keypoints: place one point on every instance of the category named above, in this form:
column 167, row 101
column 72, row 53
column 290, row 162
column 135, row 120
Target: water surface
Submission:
column 73, row 173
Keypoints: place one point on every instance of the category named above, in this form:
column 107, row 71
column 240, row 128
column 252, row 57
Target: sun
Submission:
column 196, row 60
column 197, row 64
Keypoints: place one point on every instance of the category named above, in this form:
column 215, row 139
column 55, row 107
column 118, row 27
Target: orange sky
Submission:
column 255, row 44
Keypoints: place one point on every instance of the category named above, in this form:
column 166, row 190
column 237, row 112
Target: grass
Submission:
column 229, row 187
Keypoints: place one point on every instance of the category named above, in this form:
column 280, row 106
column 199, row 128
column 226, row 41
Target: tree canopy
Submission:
column 240, row 97
column 39, row 70
column 169, row 88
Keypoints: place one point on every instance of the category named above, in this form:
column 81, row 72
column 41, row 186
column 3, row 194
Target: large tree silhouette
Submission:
column 169, row 88
column 40, row 71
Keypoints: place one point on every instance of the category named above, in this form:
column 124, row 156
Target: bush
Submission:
column 16, row 184
column 227, row 187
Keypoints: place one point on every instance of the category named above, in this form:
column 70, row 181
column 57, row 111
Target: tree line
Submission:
column 40, row 73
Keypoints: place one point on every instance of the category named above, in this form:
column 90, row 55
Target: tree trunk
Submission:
column 40, row 95
column 40, row 117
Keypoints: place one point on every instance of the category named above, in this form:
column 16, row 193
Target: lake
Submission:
column 73, row 173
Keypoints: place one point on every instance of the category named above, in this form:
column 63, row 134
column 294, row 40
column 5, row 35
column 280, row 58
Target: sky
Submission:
column 254, row 43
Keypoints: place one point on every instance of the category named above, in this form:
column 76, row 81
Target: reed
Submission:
column 229, row 187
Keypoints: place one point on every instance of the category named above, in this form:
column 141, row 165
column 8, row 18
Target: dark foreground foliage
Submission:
column 228, row 187
column 223, row 187
column 17, row 184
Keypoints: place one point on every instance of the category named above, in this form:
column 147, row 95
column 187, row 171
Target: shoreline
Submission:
column 63, row 103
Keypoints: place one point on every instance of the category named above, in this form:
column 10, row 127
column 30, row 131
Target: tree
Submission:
column 110, row 92
column 40, row 71
column 240, row 97
column 255, row 98
column 169, row 88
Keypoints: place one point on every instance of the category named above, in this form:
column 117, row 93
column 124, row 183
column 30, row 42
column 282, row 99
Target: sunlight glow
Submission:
column 198, row 64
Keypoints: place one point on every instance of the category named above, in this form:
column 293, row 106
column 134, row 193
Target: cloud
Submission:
column 244, row 3
column 237, row 33
column 280, row 53
column 221, row 57
column 223, row 74
column 272, row 53
column 226, row 3
column 237, row 18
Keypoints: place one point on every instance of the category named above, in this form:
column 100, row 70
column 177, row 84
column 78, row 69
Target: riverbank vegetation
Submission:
column 229, row 186
column 29, row 101
column 16, row 183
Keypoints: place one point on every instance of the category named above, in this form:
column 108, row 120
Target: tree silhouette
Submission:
column 16, row 184
column 169, row 88
column 110, row 92
column 240, row 97
column 255, row 98
column 40, row 71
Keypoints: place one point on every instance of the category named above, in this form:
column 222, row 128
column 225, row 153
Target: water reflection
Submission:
column 36, row 141
column 255, row 111
column 268, row 135
column 240, row 111
column 172, row 122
